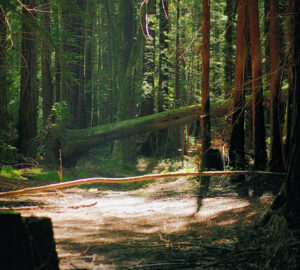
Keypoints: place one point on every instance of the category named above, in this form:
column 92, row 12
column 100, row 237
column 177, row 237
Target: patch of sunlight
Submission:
column 227, row 222
column 251, row 214
column 225, row 241
column 142, row 165
column 213, row 207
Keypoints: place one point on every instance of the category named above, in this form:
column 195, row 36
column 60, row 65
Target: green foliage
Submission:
column 50, row 176
column 9, row 172
column 61, row 115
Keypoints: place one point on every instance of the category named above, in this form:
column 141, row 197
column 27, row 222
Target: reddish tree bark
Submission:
column 237, row 138
column 276, row 159
column 228, row 48
column 259, row 143
column 28, row 88
column 205, row 108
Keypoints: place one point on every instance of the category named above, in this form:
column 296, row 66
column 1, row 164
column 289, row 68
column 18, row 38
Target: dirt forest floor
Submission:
column 167, row 224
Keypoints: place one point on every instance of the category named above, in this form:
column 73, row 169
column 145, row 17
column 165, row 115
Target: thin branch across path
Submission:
column 148, row 177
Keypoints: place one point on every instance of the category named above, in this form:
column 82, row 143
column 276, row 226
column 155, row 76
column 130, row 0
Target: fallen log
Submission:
column 148, row 177
column 75, row 142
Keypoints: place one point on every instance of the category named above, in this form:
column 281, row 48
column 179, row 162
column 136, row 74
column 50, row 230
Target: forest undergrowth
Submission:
column 184, row 223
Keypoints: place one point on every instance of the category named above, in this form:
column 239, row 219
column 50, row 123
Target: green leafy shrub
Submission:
column 61, row 115
column 9, row 172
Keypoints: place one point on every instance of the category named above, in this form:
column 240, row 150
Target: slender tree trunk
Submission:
column 47, row 86
column 3, row 83
column 259, row 143
column 111, row 62
column 81, row 113
column 267, row 41
column 57, row 76
column 276, row 158
column 228, row 48
column 205, row 103
column 177, row 63
column 57, row 48
column 147, row 106
column 237, row 137
column 164, row 77
column 28, row 92
column 90, row 8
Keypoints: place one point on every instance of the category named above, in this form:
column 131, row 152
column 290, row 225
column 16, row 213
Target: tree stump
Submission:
column 27, row 243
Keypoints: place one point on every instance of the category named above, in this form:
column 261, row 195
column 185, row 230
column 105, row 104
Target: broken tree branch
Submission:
column 148, row 177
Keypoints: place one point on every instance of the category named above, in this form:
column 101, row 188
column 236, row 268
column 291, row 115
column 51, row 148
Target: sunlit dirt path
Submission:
column 162, row 226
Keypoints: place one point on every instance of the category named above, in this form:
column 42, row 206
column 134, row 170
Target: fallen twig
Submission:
column 132, row 179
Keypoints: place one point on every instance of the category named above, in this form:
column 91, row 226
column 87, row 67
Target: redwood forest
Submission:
column 149, row 134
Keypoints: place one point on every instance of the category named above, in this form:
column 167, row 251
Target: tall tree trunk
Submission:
column 228, row 48
column 259, row 143
column 3, row 82
column 163, row 80
column 88, row 84
column 205, row 102
column 267, row 41
column 147, row 106
column 290, row 77
column 124, row 150
column 72, row 60
column 28, row 92
column 47, row 86
column 293, row 174
column 177, row 63
column 57, row 58
column 112, row 53
column 276, row 158
column 237, row 137
column 81, row 113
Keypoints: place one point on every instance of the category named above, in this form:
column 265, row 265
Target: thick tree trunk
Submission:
column 205, row 101
column 259, row 143
column 290, row 77
column 47, row 86
column 125, row 150
column 228, row 48
column 72, row 59
column 28, row 93
column 237, row 137
column 276, row 158
column 293, row 174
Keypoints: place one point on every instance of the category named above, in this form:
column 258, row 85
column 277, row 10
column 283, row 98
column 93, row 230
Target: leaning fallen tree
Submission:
column 75, row 142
